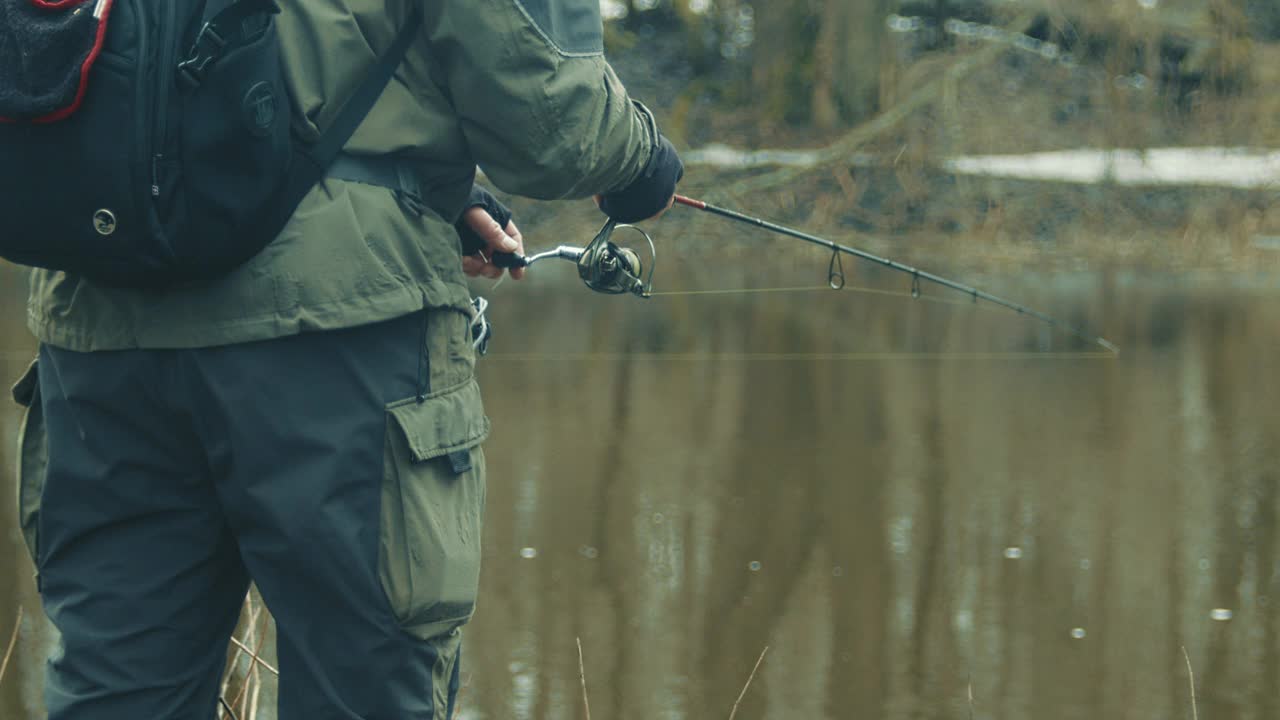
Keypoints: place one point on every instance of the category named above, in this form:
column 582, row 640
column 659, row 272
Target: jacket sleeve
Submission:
column 542, row 112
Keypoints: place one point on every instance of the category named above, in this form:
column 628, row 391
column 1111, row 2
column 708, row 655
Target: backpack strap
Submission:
column 311, row 163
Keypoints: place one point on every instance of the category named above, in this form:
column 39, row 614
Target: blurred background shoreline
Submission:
column 877, row 99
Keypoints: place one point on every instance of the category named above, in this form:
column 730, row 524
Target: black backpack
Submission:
column 148, row 143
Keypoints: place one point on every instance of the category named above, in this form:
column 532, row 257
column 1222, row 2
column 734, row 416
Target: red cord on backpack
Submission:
column 101, row 11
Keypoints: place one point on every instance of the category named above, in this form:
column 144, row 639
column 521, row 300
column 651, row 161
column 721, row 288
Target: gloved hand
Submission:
column 486, row 228
column 472, row 242
column 651, row 193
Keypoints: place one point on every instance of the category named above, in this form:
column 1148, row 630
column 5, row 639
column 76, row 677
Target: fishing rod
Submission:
column 609, row 268
column 835, row 274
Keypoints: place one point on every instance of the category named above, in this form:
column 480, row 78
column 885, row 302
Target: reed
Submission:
column 582, row 673
column 752, row 676
column 249, row 683
column 1191, row 680
column 13, row 643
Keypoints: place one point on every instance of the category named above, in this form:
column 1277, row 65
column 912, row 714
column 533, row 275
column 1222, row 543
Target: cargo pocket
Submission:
column 433, row 494
column 33, row 456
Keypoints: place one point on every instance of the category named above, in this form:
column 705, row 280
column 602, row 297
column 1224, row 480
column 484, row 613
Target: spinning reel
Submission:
column 614, row 270
column 603, row 265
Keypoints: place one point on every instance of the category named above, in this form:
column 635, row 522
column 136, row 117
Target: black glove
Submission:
column 648, row 194
column 481, row 198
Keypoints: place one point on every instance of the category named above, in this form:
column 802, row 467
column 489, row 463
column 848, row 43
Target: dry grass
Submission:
column 245, row 703
column 249, row 684
column 1191, row 680
column 253, row 656
column 13, row 643
column 970, row 697
column 582, row 673
column 751, row 677
column 586, row 703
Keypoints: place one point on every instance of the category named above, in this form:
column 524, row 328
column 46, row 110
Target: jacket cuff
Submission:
column 651, row 130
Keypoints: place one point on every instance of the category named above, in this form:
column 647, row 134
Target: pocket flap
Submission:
column 445, row 422
column 24, row 392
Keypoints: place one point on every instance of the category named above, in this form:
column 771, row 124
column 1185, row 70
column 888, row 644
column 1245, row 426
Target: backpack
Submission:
column 148, row 143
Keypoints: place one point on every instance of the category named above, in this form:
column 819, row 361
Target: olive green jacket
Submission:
column 519, row 87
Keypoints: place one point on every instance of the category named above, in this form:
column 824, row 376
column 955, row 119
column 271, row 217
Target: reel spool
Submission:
column 609, row 268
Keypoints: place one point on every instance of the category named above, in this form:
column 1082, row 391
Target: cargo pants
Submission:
column 340, row 471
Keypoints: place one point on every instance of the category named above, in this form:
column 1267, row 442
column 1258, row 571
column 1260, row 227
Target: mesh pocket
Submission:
column 47, row 48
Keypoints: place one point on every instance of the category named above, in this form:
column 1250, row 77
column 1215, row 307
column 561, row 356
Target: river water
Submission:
column 910, row 503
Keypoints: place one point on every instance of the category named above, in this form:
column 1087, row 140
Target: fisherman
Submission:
column 311, row 421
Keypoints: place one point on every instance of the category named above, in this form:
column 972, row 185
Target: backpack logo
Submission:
column 259, row 109
column 104, row 221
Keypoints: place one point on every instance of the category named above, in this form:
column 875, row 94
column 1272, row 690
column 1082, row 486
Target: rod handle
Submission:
column 508, row 261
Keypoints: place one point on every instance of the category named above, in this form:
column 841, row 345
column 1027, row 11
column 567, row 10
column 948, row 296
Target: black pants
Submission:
column 317, row 465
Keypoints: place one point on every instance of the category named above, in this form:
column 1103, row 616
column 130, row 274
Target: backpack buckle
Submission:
column 207, row 48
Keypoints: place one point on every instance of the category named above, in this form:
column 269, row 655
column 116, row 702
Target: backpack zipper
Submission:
column 142, row 143
column 165, row 69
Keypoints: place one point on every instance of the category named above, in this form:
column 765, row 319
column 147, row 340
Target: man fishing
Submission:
column 310, row 420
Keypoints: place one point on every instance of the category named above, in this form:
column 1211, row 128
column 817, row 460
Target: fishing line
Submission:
column 809, row 288
column 837, row 357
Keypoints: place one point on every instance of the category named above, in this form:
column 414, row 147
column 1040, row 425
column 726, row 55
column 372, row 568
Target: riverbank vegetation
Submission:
column 886, row 91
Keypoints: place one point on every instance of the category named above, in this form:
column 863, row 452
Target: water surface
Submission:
column 906, row 502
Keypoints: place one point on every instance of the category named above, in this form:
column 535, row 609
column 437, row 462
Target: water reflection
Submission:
column 897, row 529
